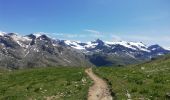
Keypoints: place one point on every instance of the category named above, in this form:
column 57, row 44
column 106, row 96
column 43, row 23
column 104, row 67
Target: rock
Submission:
column 168, row 95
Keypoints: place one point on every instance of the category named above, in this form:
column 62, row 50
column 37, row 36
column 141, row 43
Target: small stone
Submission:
column 142, row 68
column 168, row 95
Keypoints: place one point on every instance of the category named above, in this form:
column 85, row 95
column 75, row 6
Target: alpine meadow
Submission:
column 84, row 50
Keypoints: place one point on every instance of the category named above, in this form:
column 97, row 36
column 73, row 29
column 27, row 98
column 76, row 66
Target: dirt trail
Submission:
column 99, row 90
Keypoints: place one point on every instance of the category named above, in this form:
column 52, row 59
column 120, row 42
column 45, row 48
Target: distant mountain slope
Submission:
column 37, row 51
column 102, row 53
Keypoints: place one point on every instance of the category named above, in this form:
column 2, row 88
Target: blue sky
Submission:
column 113, row 20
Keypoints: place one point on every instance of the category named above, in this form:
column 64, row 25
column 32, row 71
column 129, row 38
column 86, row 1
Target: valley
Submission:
column 38, row 67
column 149, row 80
column 84, row 49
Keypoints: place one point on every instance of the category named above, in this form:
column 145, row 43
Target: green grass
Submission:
column 40, row 84
column 150, row 80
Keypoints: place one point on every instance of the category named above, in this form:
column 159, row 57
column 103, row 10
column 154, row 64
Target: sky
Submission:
column 146, row 21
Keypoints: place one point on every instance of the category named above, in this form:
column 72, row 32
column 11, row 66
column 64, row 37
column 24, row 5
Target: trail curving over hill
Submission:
column 99, row 90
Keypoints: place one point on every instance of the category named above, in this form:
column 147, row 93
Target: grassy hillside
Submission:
column 44, row 83
column 99, row 59
column 150, row 80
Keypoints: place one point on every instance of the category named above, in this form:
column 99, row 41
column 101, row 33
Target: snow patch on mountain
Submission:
column 2, row 33
column 25, row 38
column 137, row 46
column 131, row 45
column 167, row 48
column 37, row 34
column 140, row 46
column 20, row 39
column 91, row 45
column 74, row 44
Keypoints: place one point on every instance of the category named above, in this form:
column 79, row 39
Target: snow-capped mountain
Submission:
column 37, row 51
column 95, row 44
column 106, row 46
column 40, row 50
column 2, row 33
column 136, row 51
column 167, row 48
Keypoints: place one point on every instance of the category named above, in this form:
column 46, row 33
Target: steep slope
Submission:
column 37, row 51
column 150, row 80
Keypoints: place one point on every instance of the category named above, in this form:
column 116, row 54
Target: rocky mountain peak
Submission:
column 40, row 50
column 100, row 42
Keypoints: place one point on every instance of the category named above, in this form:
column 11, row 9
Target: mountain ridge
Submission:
column 17, row 51
column 121, row 49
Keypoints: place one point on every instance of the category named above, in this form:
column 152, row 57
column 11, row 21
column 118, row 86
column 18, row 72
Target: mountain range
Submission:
column 39, row 50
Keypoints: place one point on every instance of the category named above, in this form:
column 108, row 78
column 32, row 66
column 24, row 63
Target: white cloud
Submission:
column 92, row 31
